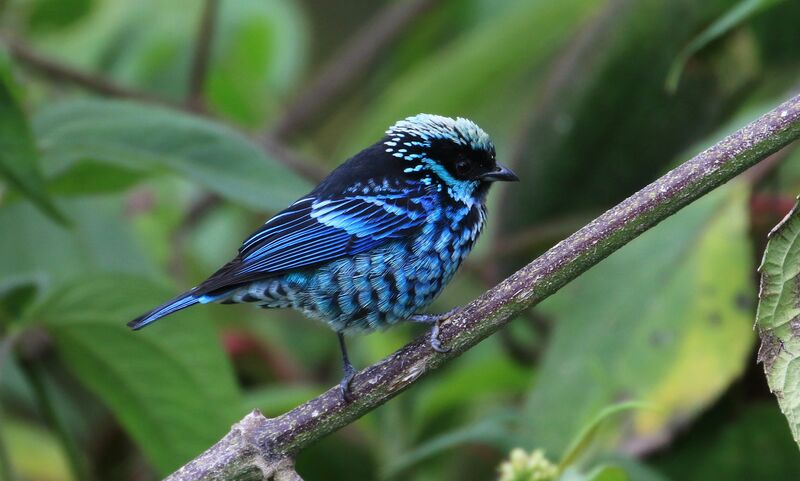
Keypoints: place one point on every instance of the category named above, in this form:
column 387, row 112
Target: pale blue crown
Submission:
column 428, row 127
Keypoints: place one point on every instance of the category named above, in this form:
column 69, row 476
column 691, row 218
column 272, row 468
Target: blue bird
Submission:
column 375, row 242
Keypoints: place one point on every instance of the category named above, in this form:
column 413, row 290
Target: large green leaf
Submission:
column 19, row 160
column 777, row 317
column 149, row 138
column 40, row 253
column 672, row 329
column 170, row 386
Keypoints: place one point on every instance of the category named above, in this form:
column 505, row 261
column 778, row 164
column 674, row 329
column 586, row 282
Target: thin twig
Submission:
column 267, row 443
column 54, row 70
column 202, row 56
column 312, row 171
column 342, row 72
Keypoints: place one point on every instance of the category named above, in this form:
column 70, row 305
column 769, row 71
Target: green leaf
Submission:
column 99, row 241
column 734, row 17
column 777, row 317
column 46, row 15
column 19, row 160
column 149, row 138
column 674, row 333
column 607, row 473
column 599, row 473
column 88, row 176
column 170, row 386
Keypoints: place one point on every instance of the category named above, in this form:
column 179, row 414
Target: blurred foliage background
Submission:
column 134, row 160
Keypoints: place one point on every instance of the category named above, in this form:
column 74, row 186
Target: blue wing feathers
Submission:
column 306, row 234
column 313, row 231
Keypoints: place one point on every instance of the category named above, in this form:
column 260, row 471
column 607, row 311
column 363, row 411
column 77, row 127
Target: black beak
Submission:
column 501, row 173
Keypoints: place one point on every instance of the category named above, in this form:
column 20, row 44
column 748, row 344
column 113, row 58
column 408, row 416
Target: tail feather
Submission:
column 181, row 302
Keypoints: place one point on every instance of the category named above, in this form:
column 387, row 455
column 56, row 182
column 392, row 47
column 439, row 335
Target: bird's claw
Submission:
column 344, row 384
column 436, row 343
column 436, row 320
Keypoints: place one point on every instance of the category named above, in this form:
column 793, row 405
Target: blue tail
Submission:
column 181, row 302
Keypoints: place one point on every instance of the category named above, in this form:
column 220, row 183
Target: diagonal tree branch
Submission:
column 269, row 445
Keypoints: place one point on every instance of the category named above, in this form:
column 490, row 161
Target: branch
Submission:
column 342, row 71
column 258, row 441
column 54, row 70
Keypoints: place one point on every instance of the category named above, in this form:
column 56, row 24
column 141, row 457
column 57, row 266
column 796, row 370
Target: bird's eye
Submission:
column 463, row 166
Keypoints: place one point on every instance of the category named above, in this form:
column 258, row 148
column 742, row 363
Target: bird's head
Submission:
column 453, row 155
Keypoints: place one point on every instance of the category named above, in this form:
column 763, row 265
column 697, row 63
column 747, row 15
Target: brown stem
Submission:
column 202, row 56
column 54, row 70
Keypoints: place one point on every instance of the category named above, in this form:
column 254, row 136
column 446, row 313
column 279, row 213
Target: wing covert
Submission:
column 312, row 231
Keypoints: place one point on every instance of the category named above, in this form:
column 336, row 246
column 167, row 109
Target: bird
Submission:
column 374, row 243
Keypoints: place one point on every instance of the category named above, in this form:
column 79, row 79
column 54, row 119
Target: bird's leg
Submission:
column 436, row 320
column 349, row 371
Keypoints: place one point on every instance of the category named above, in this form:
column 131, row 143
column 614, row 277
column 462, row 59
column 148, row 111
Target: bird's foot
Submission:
column 344, row 384
column 349, row 371
column 436, row 343
column 436, row 320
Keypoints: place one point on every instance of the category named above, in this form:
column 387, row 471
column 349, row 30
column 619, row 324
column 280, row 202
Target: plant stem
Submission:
column 267, row 443
column 202, row 56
